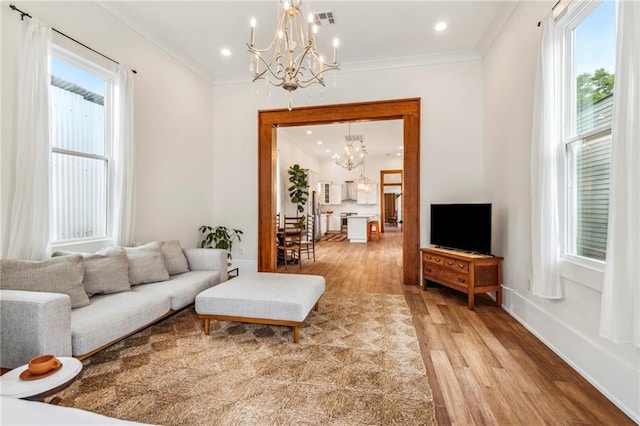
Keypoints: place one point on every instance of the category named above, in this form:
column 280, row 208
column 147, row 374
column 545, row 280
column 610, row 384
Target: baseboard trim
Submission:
column 619, row 382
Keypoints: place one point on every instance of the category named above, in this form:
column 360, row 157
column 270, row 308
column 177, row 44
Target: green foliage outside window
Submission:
column 592, row 88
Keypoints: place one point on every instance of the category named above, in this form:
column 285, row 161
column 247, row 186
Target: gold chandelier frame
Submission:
column 291, row 61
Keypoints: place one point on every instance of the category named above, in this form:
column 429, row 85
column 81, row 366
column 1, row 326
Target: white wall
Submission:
column 451, row 135
column 290, row 153
column 173, row 110
column 569, row 326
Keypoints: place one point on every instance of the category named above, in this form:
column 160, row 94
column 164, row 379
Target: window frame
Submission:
column 590, row 270
column 88, row 61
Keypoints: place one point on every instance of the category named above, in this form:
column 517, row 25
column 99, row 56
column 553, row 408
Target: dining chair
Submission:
column 308, row 242
column 289, row 244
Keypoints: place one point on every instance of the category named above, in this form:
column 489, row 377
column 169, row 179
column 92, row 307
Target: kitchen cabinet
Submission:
column 324, row 222
column 330, row 193
column 335, row 223
column 370, row 197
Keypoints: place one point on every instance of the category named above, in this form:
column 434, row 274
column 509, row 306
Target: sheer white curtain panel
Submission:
column 122, row 170
column 620, row 314
column 29, row 231
column 545, row 233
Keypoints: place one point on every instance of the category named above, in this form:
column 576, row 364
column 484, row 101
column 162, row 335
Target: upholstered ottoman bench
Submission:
column 262, row 298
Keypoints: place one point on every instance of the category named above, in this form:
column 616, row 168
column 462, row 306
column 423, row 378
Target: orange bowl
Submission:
column 42, row 364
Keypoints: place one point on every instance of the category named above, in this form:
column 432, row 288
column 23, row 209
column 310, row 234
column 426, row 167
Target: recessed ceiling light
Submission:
column 319, row 142
column 328, row 150
column 225, row 52
column 309, row 132
column 399, row 154
column 400, row 147
column 440, row 26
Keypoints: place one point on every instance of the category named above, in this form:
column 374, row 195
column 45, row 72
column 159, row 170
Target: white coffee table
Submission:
column 11, row 385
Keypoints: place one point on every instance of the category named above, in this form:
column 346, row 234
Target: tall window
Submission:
column 589, row 46
column 81, row 148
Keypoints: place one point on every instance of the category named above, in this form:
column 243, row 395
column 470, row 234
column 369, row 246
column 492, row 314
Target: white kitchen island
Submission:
column 357, row 228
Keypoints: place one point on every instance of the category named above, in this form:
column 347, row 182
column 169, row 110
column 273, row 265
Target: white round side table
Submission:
column 11, row 385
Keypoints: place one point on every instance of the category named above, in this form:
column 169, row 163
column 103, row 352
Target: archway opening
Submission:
column 408, row 110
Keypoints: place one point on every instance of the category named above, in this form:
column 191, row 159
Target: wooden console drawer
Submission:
column 448, row 262
column 469, row 273
column 446, row 273
column 458, row 265
column 430, row 258
column 446, row 276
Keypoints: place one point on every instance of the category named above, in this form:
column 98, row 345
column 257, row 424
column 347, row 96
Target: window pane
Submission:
column 588, row 166
column 78, row 109
column 594, row 63
column 79, row 199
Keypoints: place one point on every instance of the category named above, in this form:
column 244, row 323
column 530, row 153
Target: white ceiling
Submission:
column 371, row 34
column 381, row 138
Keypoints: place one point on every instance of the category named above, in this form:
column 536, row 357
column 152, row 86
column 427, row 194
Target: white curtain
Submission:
column 620, row 316
column 122, row 171
column 545, row 233
column 29, row 232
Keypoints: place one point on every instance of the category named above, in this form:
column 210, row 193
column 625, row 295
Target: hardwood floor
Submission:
column 483, row 366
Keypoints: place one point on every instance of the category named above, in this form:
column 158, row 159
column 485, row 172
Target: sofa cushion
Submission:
column 105, row 272
column 112, row 316
column 21, row 412
column 174, row 258
column 182, row 289
column 146, row 264
column 57, row 275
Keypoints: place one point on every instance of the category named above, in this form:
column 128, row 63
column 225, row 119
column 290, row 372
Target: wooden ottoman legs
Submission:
column 294, row 324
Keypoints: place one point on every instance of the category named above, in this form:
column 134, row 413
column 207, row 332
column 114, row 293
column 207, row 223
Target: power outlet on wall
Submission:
column 241, row 251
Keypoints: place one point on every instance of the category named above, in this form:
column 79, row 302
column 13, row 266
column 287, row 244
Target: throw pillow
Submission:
column 146, row 264
column 174, row 258
column 105, row 272
column 57, row 275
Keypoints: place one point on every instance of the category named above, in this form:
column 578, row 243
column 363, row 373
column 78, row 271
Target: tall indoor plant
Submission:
column 299, row 189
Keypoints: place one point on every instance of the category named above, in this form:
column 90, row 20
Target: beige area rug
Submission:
column 357, row 363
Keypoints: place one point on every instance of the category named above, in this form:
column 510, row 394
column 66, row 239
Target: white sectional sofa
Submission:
column 30, row 413
column 77, row 304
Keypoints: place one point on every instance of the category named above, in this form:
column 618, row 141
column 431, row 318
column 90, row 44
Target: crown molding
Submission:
column 498, row 22
column 391, row 63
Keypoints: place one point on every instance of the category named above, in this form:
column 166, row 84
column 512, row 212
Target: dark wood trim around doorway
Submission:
column 383, row 173
column 407, row 110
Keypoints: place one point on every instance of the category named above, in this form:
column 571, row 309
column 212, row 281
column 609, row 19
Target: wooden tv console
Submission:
column 465, row 272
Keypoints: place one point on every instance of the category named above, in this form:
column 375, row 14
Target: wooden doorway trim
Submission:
column 383, row 173
column 407, row 110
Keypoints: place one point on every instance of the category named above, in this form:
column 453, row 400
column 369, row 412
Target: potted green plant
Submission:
column 219, row 237
column 299, row 189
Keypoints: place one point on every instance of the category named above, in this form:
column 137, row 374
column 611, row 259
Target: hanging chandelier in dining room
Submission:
column 292, row 60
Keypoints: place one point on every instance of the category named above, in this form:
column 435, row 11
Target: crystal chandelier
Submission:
column 291, row 61
column 362, row 183
column 353, row 154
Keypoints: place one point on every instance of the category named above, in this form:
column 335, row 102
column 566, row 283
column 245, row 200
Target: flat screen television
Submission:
column 462, row 226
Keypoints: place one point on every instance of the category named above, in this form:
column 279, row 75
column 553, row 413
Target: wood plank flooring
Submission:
column 483, row 366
